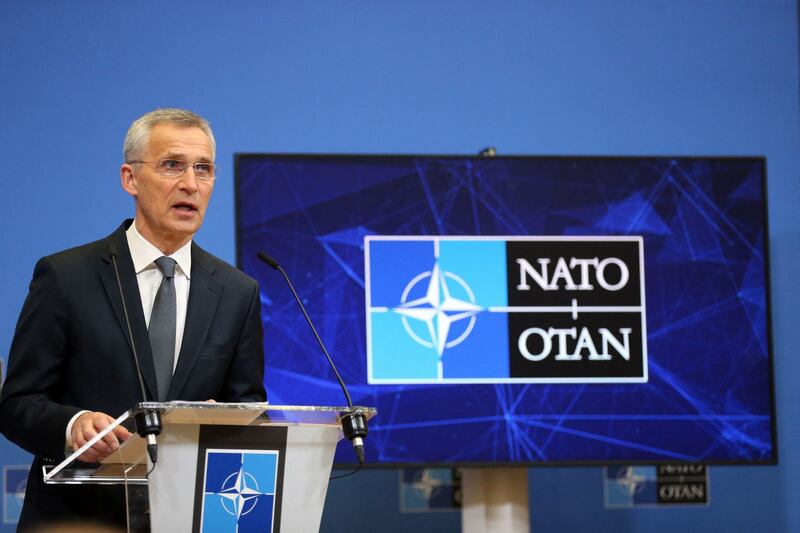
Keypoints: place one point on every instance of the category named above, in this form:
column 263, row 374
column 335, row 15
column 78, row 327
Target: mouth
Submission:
column 185, row 207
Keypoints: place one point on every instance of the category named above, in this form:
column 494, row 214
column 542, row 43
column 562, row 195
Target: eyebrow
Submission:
column 182, row 157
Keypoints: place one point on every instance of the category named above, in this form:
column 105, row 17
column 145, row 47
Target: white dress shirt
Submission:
column 148, row 276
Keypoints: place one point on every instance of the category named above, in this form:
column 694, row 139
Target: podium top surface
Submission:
column 237, row 414
column 128, row 464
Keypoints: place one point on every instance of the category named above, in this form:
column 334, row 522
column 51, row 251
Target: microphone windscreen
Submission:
column 268, row 260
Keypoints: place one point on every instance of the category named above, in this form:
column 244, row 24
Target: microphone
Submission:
column 148, row 422
column 354, row 423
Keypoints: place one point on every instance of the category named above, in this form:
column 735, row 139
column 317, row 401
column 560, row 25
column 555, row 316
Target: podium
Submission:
column 220, row 467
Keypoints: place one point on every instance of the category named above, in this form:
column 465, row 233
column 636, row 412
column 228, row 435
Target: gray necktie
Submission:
column 162, row 327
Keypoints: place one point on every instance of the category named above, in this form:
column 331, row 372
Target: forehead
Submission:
column 171, row 140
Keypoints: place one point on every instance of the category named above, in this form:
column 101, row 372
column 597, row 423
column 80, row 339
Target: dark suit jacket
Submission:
column 71, row 351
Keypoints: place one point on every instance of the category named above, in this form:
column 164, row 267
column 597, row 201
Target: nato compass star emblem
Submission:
column 438, row 310
column 239, row 493
column 631, row 480
column 427, row 484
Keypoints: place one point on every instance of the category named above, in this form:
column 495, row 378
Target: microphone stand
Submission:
column 354, row 422
column 148, row 421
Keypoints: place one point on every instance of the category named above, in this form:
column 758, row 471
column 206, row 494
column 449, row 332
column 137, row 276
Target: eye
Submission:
column 204, row 168
column 172, row 165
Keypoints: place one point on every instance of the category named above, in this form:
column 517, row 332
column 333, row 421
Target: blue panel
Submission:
column 259, row 519
column 394, row 266
column 395, row 354
column 218, row 467
column 716, row 77
column 262, row 466
column 484, row 354
column 482, row 264
column 215, row 518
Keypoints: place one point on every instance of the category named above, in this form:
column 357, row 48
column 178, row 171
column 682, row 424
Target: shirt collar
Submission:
column 144, row 253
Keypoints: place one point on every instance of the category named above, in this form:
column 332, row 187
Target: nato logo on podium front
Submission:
column 239, row 491
column 505, row 309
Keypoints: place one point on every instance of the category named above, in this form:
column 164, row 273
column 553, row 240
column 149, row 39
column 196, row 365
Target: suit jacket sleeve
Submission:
column 29, row 413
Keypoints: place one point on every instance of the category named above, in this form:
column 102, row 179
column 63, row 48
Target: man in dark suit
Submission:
column 195, row 321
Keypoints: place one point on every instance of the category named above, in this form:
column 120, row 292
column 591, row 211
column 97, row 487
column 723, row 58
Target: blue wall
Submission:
column 711, row 77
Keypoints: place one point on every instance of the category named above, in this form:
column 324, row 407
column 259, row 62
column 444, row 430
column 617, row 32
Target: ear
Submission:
column 127, row 179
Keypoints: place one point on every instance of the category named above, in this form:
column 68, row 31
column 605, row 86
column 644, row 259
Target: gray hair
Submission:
column 139, row 133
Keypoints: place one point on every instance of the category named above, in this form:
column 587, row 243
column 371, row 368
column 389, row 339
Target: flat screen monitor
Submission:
column 520, row 310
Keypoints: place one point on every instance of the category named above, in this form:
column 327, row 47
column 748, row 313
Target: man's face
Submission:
column 170, row 210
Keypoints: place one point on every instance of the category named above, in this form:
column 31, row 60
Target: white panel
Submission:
column 309, row 458
column 172, row 483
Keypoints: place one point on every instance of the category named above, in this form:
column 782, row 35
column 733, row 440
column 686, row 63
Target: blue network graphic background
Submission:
column 709, row 395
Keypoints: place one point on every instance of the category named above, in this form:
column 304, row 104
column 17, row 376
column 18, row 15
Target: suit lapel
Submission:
column 204, row 295
column 117, row 244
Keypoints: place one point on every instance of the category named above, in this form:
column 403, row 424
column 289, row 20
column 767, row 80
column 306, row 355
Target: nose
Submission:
column 188, row 180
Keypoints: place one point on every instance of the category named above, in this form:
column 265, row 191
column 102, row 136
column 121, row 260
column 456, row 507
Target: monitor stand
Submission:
column 495, row 499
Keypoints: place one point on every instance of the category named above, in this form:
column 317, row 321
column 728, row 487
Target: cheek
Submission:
column 204, row 200
column 153, row 193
